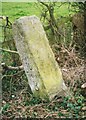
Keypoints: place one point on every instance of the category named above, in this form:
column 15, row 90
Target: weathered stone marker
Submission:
column 43, row 73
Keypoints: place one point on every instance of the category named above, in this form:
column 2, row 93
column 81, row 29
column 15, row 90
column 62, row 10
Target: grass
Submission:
column 15, row 10
column 17, row 101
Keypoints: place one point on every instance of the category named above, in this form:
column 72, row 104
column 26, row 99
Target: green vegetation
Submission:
column 18, row 100
column 15, row 10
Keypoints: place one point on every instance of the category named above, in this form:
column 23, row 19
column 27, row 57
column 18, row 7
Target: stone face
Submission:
column 43, row 73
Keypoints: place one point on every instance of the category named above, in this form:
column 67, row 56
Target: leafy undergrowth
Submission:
column 25, row 106
column 18, row 102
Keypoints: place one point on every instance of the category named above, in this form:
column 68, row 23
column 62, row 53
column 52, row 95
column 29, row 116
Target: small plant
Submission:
column 5, row 107
column 73, row 106
column 60, row 114
column 33, row 101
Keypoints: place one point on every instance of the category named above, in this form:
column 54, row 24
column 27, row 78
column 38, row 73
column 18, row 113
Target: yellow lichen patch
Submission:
column 45, row 61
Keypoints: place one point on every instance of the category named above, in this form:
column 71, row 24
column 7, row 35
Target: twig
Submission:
column 12, row 74
column 43, row 3
column 11, row 51
column 4, row 66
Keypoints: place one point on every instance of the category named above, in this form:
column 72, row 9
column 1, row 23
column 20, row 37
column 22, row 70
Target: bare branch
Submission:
column 16, row 74
column 11, row 51
column 43, row 3
column 4, row 66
